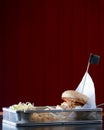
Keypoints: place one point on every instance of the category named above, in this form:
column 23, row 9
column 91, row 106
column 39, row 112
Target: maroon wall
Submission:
column 44, row 48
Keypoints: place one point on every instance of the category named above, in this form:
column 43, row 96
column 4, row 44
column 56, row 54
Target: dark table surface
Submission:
column 99, row 126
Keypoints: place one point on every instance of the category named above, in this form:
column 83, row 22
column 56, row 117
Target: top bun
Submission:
column 75, row 96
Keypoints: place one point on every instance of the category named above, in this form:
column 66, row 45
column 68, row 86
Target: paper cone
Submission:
column 86, row 86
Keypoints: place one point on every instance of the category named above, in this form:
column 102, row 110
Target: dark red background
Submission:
column 44, row 48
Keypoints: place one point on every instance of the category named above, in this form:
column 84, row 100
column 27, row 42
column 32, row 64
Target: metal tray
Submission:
column 51, row 117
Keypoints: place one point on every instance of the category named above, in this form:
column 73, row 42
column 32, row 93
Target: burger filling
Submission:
column 69, row 104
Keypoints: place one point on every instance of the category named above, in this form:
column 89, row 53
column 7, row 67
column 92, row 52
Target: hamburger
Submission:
column 72, row 99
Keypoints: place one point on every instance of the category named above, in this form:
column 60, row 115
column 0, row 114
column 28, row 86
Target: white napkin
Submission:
column 86, row 86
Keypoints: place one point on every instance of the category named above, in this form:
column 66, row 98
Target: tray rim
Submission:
column 55, row 110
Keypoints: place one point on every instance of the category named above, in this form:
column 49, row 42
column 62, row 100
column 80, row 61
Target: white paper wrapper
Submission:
column 86, row 86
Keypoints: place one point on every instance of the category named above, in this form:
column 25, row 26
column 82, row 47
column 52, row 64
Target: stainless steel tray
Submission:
column 51, row 117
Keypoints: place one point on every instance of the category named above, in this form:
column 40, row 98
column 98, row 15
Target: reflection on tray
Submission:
column 59, row 127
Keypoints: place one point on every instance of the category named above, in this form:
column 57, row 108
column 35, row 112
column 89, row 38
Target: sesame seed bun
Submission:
column 75, row 96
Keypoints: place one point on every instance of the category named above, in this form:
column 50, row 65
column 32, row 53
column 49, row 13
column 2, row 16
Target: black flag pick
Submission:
column 94, row 59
